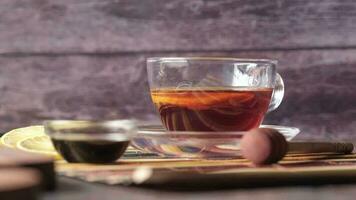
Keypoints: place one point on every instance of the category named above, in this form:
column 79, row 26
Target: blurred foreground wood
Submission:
column 43, row 165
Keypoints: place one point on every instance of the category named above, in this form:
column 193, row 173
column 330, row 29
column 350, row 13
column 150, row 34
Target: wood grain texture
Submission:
column 320, row 97
column 83, row 87
column 81, row 26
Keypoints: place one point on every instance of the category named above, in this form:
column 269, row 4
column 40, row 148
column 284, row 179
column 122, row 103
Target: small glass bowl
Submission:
column 189, row 144
column 90, row 141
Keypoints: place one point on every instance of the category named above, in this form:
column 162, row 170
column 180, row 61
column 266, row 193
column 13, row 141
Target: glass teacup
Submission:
column 213, row 94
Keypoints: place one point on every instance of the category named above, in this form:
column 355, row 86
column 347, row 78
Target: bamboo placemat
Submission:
column 153, row 170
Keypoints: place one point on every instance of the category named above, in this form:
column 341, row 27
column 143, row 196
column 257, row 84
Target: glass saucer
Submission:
column 190, row 144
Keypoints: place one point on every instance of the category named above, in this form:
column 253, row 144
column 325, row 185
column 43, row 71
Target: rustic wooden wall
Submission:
column 85, row 58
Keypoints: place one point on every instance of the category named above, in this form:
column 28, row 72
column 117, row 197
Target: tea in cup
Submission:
column 213, row 94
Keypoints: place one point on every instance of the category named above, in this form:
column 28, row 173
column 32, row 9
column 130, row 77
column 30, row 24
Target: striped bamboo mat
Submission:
column 152, row 170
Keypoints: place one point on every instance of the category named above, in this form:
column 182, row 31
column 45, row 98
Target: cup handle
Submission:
column 277, row 95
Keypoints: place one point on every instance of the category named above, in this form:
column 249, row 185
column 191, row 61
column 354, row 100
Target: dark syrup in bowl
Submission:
column 90, row 151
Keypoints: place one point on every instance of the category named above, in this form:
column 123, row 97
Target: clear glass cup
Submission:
column 212, row 93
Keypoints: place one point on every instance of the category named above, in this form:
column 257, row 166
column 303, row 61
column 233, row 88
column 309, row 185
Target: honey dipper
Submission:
column 267, row 146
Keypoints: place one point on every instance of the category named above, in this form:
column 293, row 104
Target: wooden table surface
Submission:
column 74, row 189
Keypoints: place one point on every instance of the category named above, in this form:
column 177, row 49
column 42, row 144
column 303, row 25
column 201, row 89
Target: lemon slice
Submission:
column 38, row 144
column 11, row 138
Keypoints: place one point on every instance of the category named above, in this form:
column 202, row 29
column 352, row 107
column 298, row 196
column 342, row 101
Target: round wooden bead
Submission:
column 263, row 146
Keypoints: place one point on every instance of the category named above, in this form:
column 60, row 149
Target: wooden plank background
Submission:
column 86, row 59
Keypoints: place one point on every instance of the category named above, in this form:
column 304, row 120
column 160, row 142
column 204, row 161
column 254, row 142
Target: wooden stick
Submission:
column 318, row 147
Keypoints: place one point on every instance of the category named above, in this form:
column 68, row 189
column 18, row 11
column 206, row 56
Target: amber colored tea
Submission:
column 212, row 109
